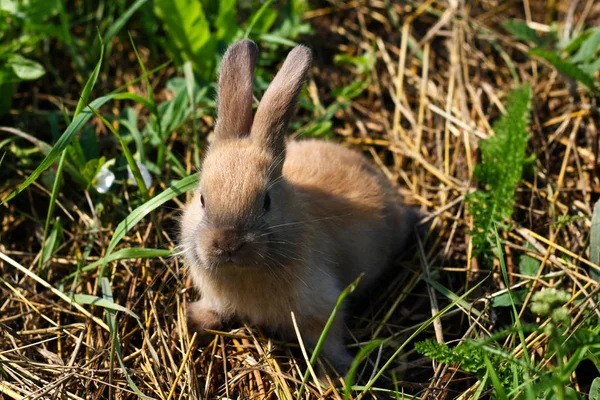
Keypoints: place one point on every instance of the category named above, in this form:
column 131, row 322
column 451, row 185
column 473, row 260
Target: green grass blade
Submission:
column 111, row 320
column 122, row 20
column 50, row 243
column 53, row 200
column 495, row 380
column 136, row 215
column 517, row 319
column 102, row 302
column 124, row 254
column 128, row 156
column 319, row 346
column 351, row 375
column 566, row 67
column 482, row 385
column 421, row 328
column 68, row 136
column 256, row 17
column 87, row 89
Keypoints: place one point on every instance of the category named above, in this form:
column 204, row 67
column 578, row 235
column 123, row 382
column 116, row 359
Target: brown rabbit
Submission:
column 276, row 227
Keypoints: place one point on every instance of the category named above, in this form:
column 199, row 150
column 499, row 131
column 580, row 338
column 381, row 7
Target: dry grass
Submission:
column 443, row 70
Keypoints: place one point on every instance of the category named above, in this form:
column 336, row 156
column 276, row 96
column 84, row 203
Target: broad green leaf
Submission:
column 500, row 393
column 226, row 24
column 591, row 68
column 576, row 43
column 566, row 67
column 528, row 266
column 104, row 303
column 189, row 33
column 504, row 300
column 521, row 31
column 33, row 11
column 24, row 68
column 589, row 48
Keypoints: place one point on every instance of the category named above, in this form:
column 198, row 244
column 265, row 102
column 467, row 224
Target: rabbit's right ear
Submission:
column 234, row 91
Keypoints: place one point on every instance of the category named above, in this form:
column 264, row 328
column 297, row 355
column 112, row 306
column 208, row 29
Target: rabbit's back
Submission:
column 356, row 216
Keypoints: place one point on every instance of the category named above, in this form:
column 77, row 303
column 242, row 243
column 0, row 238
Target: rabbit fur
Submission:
column 277, row 227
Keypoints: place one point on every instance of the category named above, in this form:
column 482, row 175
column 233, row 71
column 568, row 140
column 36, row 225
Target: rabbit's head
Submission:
column 237, row 215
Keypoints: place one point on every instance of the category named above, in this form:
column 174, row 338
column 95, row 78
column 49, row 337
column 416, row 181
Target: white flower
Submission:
column 145, row 175
column 104, row 179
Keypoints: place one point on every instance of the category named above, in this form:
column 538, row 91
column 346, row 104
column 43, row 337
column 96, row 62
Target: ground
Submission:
column 416, row 86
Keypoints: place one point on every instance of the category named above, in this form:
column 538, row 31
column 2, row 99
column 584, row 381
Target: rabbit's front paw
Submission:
column 201, row 316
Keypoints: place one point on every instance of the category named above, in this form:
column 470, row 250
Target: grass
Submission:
column 93, row 293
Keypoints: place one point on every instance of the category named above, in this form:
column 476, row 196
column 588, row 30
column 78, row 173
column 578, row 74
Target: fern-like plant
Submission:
column 500, row 170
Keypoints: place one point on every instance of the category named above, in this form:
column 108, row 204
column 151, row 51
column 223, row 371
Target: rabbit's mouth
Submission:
column 246, row 254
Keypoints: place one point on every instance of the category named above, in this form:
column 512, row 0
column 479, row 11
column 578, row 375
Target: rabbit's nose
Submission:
column 228, row 241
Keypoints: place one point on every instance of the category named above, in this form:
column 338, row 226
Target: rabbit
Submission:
column 278, row 226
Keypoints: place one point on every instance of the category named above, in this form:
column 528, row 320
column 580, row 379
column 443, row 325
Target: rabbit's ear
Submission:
column 234, row 91
column 277, row 105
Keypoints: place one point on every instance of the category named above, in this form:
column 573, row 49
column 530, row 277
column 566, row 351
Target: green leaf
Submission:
column 521, row 31
column 24, row 68
column 34, row 11
column 262, row 19
column 503, row 300
column 120, row 23
column 139, row 180
column 566, row 67
column 67, row 137
column 125, row 254
column 351, row 375
column 104, row 303
column 500, row 170
column 226, row 24
column 321, row 342
column 595, row 390
column 112, row 323
column 52, row 242
column 576, row 43
column 528, row 266
column 52, row 205
column 87, row 89
column 91, row 168
column 589, row 48
column 188, row 31
column 494, row 377
column 591, row 68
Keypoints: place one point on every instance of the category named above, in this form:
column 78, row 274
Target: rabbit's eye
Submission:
column 267, row 202
column 202, row 200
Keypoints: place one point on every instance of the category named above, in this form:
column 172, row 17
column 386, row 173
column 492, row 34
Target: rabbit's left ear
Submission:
column 277, row 105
